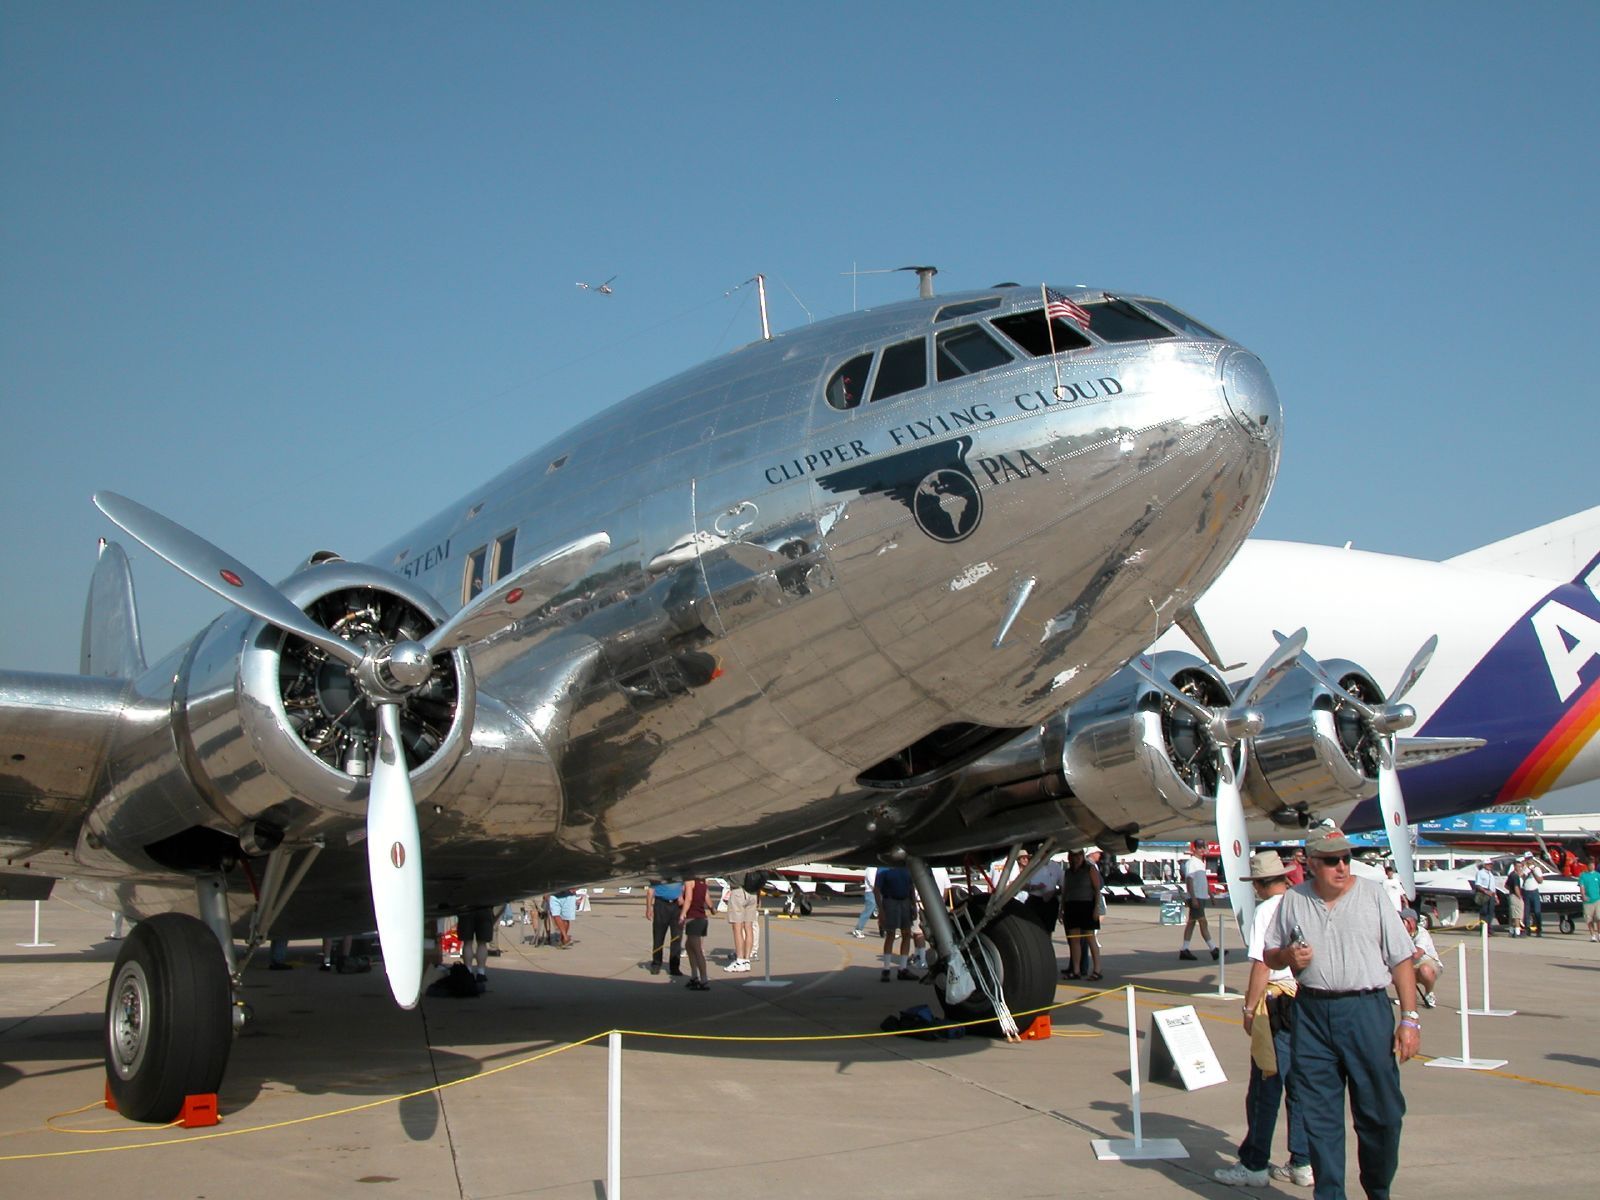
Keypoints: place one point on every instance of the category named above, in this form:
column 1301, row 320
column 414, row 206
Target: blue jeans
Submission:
column 1340, row 1045
column 869, row 909
column 1533, row 911
column 1261, row 1100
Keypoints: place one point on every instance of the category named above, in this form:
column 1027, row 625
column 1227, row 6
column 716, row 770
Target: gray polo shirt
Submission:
column 1354, row 942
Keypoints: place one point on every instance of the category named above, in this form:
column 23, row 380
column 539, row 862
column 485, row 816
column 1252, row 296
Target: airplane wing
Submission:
column 1416, row 751
column 55, row 733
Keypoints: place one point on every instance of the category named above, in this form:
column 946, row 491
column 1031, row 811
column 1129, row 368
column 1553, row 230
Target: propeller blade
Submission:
column 1235, row 845
column 1392, row 801
column 1273, row 668
column 1413, row 672
column 223, row 574
column 1315, row 669
column 394, row 861
column 1201, row 712
column 518, row 594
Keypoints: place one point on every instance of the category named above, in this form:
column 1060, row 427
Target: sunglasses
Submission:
column 1333, row 860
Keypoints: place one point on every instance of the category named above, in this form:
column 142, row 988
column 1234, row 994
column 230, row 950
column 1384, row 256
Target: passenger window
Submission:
column 849, row 381
column 472, row 583
column 1116, row 321
column 504, row 549
column 1029, row 331
column 904, row 368
column 966, row 350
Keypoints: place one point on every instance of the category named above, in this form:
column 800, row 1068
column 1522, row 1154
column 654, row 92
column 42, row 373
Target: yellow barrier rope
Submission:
column 636, row 1033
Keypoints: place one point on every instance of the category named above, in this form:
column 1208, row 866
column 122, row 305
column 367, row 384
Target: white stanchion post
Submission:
column 1488, row 1009
column 36, row 943
column 1133, row 1068
column 766, row 980
column 1465, row 1062
column 614, row 1116
column 1121, row 1149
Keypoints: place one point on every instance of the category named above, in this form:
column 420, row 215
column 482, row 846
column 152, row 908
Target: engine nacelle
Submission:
column 1315, row 757
column 1135, row 758
column 285, row 725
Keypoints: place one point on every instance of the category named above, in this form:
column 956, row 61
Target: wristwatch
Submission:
column 1410, row 1014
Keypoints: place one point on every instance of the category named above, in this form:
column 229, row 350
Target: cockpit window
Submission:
column 1182, row 322
column 1028, row 330
column 904, row 368
column 966, row 308
column 845, row 389
column 966, row 350
column 1117, row 321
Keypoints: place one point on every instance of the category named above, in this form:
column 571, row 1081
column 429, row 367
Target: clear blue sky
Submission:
column 298, row 275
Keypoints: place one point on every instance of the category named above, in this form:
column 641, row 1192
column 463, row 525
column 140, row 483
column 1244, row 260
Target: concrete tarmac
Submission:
column 333, row 1086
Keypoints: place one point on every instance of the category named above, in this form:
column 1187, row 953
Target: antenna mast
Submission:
column 761, row 295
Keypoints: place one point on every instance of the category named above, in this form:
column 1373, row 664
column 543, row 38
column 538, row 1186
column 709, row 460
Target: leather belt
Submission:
column 1324, row 994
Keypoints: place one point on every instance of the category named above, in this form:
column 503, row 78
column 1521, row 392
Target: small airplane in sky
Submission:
column 874, row 590
column 604, row 289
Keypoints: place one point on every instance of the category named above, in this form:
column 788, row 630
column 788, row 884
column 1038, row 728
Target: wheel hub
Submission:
column 130, row 1013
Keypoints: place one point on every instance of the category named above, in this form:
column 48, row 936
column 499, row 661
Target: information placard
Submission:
column 1178, row 1043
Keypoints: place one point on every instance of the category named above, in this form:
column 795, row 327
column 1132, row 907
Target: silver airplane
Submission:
column 605, row 289
column 826, row 597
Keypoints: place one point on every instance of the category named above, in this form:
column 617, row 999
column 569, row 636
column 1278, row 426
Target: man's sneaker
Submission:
column 1187, row 955
column 905, row 974
column 1428, row 1001
column 1216, row 953
column 856, row 933
column 1241, row 1176
column 884, row 976
column 1300, row 1176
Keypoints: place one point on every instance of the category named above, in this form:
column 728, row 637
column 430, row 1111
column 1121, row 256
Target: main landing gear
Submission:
column 993, row 958
column 169, row 1017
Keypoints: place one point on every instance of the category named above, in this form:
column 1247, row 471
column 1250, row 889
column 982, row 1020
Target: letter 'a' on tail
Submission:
column 112, row 647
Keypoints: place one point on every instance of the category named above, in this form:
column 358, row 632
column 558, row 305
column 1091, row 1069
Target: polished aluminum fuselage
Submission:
column 774, row 616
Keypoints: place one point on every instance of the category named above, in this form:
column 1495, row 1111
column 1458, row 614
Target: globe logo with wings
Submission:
column 947, row 505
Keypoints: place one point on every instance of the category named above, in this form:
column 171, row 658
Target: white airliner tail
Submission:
column 1558, row 551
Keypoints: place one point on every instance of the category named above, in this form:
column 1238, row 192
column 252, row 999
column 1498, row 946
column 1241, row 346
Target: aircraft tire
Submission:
column 1568, row 925
column 1027, row 971
column 169, row 1017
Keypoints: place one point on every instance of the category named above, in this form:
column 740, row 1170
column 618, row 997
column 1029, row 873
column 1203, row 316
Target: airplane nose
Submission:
column 1251, row 398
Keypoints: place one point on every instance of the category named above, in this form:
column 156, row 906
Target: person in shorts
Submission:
column 1425, row 961
column 563, row 912
column 1589, row 885
column 897, row 912
column 741, row 920
column 476, row 927
column 694, row 905
column 1080, row 917
column 1197, row 889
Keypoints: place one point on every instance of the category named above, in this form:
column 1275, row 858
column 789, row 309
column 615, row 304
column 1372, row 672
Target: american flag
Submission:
column 1057, row 305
